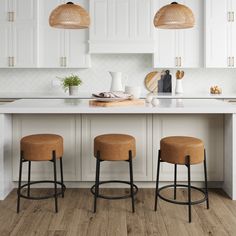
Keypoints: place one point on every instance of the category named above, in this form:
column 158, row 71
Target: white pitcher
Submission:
column 116, row 82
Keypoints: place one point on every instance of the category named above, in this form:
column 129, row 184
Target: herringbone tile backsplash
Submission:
column 97, row 78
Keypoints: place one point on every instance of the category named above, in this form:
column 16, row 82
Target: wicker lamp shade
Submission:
column 174, row 16
column 69, row 16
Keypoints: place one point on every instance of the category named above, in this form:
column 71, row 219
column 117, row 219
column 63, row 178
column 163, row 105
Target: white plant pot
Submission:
column 179, row 86
column 73, row 90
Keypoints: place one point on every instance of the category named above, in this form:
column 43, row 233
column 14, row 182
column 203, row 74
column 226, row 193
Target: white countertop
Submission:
column 27, row 95
column 81, row 106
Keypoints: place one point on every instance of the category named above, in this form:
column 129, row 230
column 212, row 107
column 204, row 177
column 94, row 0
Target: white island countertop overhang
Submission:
column 81, row 106
column 76, row 116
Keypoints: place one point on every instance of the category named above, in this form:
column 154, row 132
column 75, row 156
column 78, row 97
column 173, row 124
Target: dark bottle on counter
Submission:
column 167, row 84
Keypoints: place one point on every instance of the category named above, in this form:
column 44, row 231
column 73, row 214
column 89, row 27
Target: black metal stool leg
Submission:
column 175, row 180
column 157, row 179
column 189, row 190
column 55, row 179
column 131, row 180
column 206, row 185
column 19, row 182
column 29, row 173
column 62, row 179
column 97, row 182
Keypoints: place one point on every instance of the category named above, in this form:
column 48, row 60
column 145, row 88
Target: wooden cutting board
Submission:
column 134, row 102
column 151, row 81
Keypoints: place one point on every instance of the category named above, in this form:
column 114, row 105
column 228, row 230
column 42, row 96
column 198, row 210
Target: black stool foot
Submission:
column 95, row 188
column 29, row 183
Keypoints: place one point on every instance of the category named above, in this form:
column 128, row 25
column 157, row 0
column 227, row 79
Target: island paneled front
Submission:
column 213, row 121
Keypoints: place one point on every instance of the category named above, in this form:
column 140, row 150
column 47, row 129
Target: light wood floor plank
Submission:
column 115, row 218
column 154, row 222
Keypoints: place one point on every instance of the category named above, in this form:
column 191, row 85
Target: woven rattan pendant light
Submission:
column 174, row 16
column 69, row 16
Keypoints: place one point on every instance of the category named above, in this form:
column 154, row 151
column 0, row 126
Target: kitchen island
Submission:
column 211, row 120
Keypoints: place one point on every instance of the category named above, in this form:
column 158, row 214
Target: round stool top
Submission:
column 39, row 147
column 114, row 147
column 174, row 150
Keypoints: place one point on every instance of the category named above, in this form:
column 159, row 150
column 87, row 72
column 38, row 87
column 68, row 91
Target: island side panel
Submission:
column 6, row 185
column 230, row 155
column 68, row 126
column 139, row 126
column 207, row 127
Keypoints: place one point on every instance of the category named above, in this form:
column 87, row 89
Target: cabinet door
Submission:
column 206, row 127
column 5, row 44
column 144, row 12
column 121, row 26
column 137, row 125
column 190, row 41
column 25, row 33
column 68, row 126
column 233, row 34
column 99, row 19
column 51, row 40
column 217, row 30
column 165, row 55
column 4, row 9
column 76, row 49
column 5, row 34
column 76, row 46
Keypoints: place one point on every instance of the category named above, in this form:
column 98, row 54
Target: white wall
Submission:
column 98, row 79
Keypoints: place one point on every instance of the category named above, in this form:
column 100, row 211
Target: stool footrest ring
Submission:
column 43, row 197
column 182, row 202
column 114, row 197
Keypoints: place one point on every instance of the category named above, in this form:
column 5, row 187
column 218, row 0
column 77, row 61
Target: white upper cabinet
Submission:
column 233, row 34
column 180, row 48
column 218, row 37
column 121, row 26
column 220, row 33
column 58, row 47
column 18, row 33
column 51, row 40
column 5, row 42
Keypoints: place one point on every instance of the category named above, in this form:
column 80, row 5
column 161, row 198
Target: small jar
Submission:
column 149, row 97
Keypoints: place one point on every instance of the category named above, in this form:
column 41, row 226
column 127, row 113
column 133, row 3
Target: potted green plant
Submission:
column 72, row 84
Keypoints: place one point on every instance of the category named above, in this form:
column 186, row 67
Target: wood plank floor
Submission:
column 114, row 218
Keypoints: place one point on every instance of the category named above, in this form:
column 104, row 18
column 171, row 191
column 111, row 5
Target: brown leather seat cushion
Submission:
column 175, row 149
column 114, row 147
column 39, row 147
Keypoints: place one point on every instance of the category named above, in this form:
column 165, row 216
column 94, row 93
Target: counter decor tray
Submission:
column 110, row 99
column 133, row 102
column 111, row 96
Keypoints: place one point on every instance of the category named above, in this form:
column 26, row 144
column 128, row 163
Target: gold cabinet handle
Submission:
column 229, row 61
column 9, row 16
column 65, row 61
column 9, row 61
column 180, row 61
column 61, row 61
column 229, row 16
column 176, row 61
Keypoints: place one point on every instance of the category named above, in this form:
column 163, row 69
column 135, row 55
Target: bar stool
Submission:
column 181, row 150
column 41, row 147
column 114, row 147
